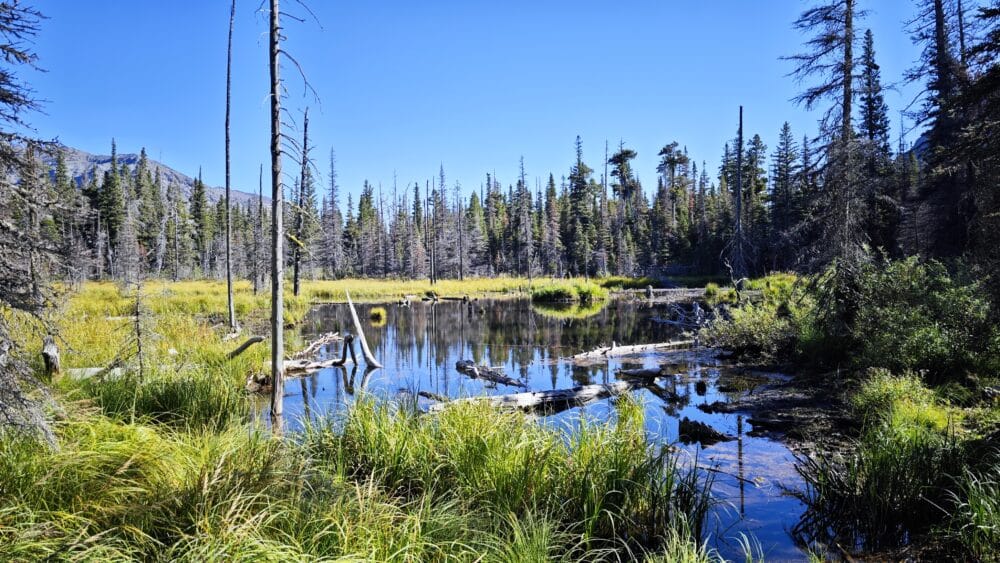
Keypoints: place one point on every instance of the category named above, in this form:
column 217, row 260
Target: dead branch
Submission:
column 249, row 342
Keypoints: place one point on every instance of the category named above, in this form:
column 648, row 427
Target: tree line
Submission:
column 800, row 204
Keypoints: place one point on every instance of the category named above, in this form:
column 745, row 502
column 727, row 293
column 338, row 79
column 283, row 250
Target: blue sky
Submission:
column 406, row 86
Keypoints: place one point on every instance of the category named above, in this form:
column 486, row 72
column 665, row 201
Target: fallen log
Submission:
column 369, row 357
column 494, row 375
column 296, row 368
column 552, row 401
column 110, row 373
column 242, row 347
column 315, row 345
column 615, row 350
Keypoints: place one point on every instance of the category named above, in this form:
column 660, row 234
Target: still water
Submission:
column 419, row 345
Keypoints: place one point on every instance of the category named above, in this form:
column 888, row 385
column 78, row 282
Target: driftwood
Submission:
column 50, row 355
column 369, row 357
column 315, row 345
column 615, row 350
column 242, row 348
column 549, row 401
column 295, row 368
column 494, row 375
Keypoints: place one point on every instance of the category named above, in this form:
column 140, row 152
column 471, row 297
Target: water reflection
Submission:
column 419, row 345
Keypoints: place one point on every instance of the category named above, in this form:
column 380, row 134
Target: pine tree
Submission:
column 111, row 199
column 202, row 223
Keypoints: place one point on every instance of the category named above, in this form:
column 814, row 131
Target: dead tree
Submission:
column 277, row 228
column 229, row 222
column 300, row 208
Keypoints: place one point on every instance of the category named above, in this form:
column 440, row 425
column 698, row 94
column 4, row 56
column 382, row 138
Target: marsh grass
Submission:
column 170, row 466
column 569, row 291
column 606, row 487
column 975, row 522
column 381, row 484
column 895, row 483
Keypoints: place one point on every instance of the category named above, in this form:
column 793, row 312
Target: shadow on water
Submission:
column 420, row 344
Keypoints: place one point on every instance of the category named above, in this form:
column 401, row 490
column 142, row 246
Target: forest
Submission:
column 830, row 304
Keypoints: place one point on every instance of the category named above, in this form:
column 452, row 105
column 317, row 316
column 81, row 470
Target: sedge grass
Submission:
column 167, row 466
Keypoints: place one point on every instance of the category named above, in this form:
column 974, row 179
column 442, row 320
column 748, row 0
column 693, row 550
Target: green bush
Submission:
column 711, row 290
column 914, row 317
column 755, row 331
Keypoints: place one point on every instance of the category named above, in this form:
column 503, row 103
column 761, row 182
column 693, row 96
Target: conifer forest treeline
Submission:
column 795, row 206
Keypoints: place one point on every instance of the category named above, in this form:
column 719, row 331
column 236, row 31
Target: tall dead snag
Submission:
column 369, row 357
column 300, row 211
column 229, row 222
column 277, row 228
column 738, row 264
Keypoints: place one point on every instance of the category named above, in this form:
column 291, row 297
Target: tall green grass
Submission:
column 975, row 522
column 895, row 483
column 379, row 484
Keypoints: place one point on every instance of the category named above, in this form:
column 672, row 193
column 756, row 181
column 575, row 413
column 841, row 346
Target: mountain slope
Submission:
column 82, row 163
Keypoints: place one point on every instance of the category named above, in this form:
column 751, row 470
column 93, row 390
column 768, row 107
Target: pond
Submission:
column 420, row 344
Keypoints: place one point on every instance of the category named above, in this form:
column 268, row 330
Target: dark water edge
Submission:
column 419, row 345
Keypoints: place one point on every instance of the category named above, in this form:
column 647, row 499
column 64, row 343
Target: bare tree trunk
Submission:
column 739, row 261
column 258, row 231
column 229, row 222
column 277, row 229
column 461, row 242
column 300, row 211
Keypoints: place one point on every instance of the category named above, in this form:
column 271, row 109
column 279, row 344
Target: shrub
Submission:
column 915, row 317
column 711, row 290
column 755, row 331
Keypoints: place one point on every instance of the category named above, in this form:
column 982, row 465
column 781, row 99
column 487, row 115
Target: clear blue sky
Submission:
column 405, row 86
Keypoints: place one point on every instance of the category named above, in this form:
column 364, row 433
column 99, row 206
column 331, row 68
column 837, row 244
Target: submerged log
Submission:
column 644, row 374
column 492, row 374
column 552, row 401
column 369, row 357
column 690, row 431
column 615, row 350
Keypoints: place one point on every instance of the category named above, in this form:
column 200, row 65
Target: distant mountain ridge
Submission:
column 81, row 163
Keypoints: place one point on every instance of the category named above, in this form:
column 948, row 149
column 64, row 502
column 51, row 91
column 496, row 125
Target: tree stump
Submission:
column 50, row 355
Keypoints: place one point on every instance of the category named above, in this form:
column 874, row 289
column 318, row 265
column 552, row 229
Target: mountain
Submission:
column 81, row 164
